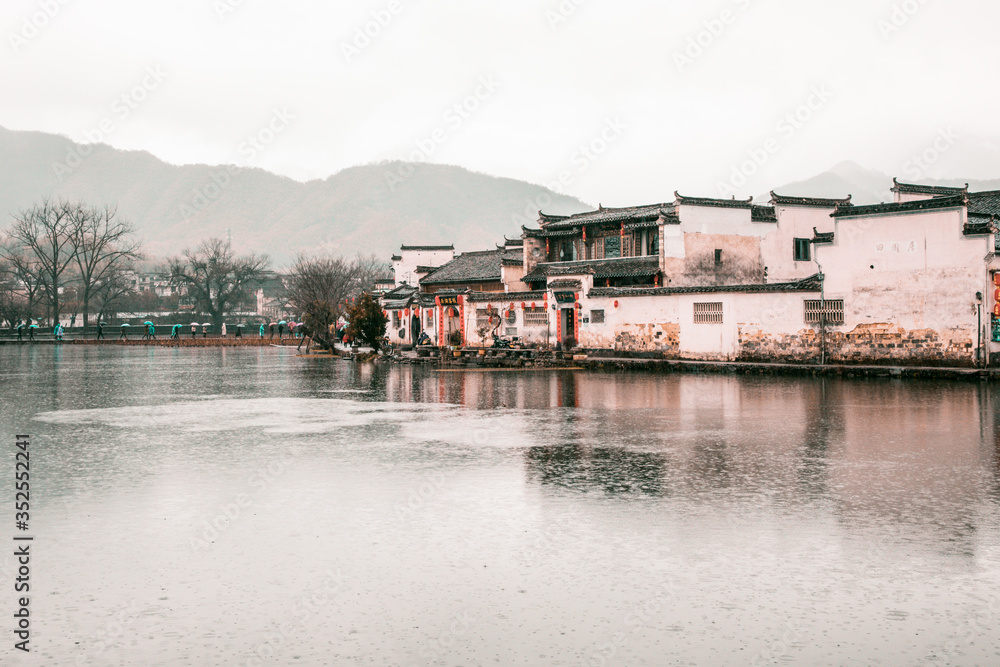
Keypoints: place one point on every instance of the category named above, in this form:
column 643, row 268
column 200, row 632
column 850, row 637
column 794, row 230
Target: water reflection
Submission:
column 544, row 502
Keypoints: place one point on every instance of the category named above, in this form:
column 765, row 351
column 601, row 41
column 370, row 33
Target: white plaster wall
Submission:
column 405, row 269
column 777, row 247
column 915, row 271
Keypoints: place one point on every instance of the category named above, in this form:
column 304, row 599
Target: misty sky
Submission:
column 664, row 95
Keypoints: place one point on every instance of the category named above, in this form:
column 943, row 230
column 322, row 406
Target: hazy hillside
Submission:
column 866, row 186
column 353, row 210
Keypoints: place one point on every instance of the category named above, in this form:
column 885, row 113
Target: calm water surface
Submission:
column 217, row 507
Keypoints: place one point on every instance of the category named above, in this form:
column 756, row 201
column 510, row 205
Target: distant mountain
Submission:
column 866, row 186
column 370, row 209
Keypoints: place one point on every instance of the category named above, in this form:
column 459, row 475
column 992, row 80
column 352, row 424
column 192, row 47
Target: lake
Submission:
column 245, row 506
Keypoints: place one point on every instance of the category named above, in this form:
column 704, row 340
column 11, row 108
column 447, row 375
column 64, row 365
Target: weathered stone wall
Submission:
column 740, row 263
column 876, row 344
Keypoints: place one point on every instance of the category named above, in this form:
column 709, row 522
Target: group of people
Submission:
column 297, row 329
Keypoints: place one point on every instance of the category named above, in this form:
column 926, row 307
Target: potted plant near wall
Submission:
column 455, row 338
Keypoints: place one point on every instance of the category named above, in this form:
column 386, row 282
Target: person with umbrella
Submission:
column 124, row 333
column 204, row 329
column 20, row 330
column 281, row 329
column 150, row 332
column 100, row 329
column 31, row 330
column 57, row 332
column 272, row 326
column 194, row 329
column 239, row 330
column 175, row 331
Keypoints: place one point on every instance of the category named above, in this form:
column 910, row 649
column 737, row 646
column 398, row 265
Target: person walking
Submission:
column 20, row 330
column 194, row 329
column 261, row 330
column 72, row 321
column 152, row 331
column 100, row 330
column 57, row 332
column 223, row 330
column 239, row 331
column 124, row 333
column 31, row 330
column 175, row 332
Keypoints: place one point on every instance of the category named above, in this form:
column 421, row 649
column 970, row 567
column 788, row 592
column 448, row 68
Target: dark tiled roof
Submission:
column 508, row 243
column 646, row 224
column 984, row 203
column 535, row 295
column 603, row 215
column 935, row 190
column 396, row 258
column 480, row 266
column 545, row 233
column 565, row 283
column 708, row 201
column 763, row 214
column 622, row 267
column 426, row 247
column 979, row 223
column 810, row 284
column 512, row 257
column 781, row 200
column 822, row 237
column 906, row 207
column 401, row 291
column 425, row 269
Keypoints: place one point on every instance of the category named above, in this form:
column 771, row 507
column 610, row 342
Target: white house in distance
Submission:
column 414, row 262
column 796, row 279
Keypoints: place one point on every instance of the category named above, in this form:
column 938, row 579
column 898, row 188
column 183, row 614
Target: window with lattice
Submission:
column 708, row 313
column 830, row 311
column 535, row 317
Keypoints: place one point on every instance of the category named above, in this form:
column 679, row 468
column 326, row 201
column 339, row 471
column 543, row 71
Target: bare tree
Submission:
column 104, row 242
column 319, row 289
column 43, row 240
column 113, row 291
column 216, row 278
column 22, row 284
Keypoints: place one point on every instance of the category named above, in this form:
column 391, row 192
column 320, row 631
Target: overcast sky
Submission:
column 664, row 95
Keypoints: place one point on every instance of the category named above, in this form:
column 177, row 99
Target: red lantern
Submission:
column 406, row 312
column 996, row 278
column 996, row 310
column 996, row 294
column 616, row 303
column 533, row 305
